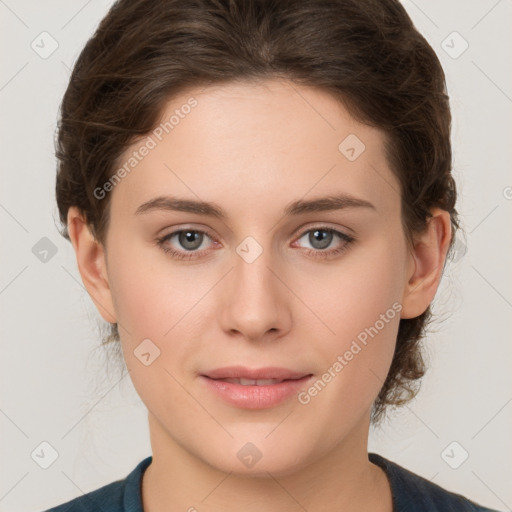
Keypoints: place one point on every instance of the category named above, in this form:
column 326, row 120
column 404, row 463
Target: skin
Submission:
column 253, row 148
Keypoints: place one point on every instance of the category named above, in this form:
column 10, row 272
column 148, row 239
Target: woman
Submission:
column 260, row 199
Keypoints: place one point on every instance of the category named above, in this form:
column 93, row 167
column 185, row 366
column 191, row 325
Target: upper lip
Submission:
column 241, row 372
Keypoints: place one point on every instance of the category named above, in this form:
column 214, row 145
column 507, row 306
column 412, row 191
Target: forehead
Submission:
column 247, row 144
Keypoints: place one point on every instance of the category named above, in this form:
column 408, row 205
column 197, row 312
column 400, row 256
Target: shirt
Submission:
column 411, row 493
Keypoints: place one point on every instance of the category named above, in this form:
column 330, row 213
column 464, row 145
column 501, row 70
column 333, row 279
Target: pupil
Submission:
column 324, row 239
column 188, row 239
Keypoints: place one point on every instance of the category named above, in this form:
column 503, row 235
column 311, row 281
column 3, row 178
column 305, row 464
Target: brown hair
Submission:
column 366, row 53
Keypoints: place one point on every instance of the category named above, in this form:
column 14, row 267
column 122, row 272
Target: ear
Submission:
column 91, row 262
column 426, row 263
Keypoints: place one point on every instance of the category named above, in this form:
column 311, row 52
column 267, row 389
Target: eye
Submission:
column 322, row 237
column 190, row 240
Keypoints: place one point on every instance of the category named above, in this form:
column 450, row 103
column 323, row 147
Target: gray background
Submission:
column 55, row 386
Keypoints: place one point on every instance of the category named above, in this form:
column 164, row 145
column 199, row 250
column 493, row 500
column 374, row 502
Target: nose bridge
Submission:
column 254, row 282
column 254, row 301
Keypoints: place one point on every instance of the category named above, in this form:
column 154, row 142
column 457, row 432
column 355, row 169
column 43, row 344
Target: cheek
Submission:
column 150, row 294
column 154, row 304
column 349, row 296
column 358, row 302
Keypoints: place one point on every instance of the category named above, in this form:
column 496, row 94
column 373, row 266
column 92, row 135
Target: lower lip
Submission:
column 256, row 397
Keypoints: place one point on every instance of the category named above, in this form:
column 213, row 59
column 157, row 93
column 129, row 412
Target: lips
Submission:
column 243, row 375
column 258, row 388
column 253, row 382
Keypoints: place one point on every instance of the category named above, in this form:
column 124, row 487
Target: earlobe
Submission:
column 426, row 264
column 91, row 260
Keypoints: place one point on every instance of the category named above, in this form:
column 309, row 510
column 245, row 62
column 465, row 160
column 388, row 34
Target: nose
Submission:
column 254, row 303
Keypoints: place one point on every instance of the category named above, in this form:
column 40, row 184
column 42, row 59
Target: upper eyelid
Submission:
column 298, row 231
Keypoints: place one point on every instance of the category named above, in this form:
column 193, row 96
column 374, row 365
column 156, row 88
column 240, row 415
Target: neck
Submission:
column 343, row 479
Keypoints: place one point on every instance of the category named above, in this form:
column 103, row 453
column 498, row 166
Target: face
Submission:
column 289, row 282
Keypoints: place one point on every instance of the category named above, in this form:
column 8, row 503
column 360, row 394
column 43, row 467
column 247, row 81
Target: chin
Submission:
column 283, row 465
column 261, row 456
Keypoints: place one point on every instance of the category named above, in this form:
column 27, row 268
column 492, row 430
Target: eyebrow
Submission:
column 321, row 204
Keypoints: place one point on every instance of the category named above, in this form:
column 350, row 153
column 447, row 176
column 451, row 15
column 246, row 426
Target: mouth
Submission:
column 254, row 382
column 255, row 388
column 251, row 375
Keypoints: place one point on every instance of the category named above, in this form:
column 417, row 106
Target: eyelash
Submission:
column 316, row 253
